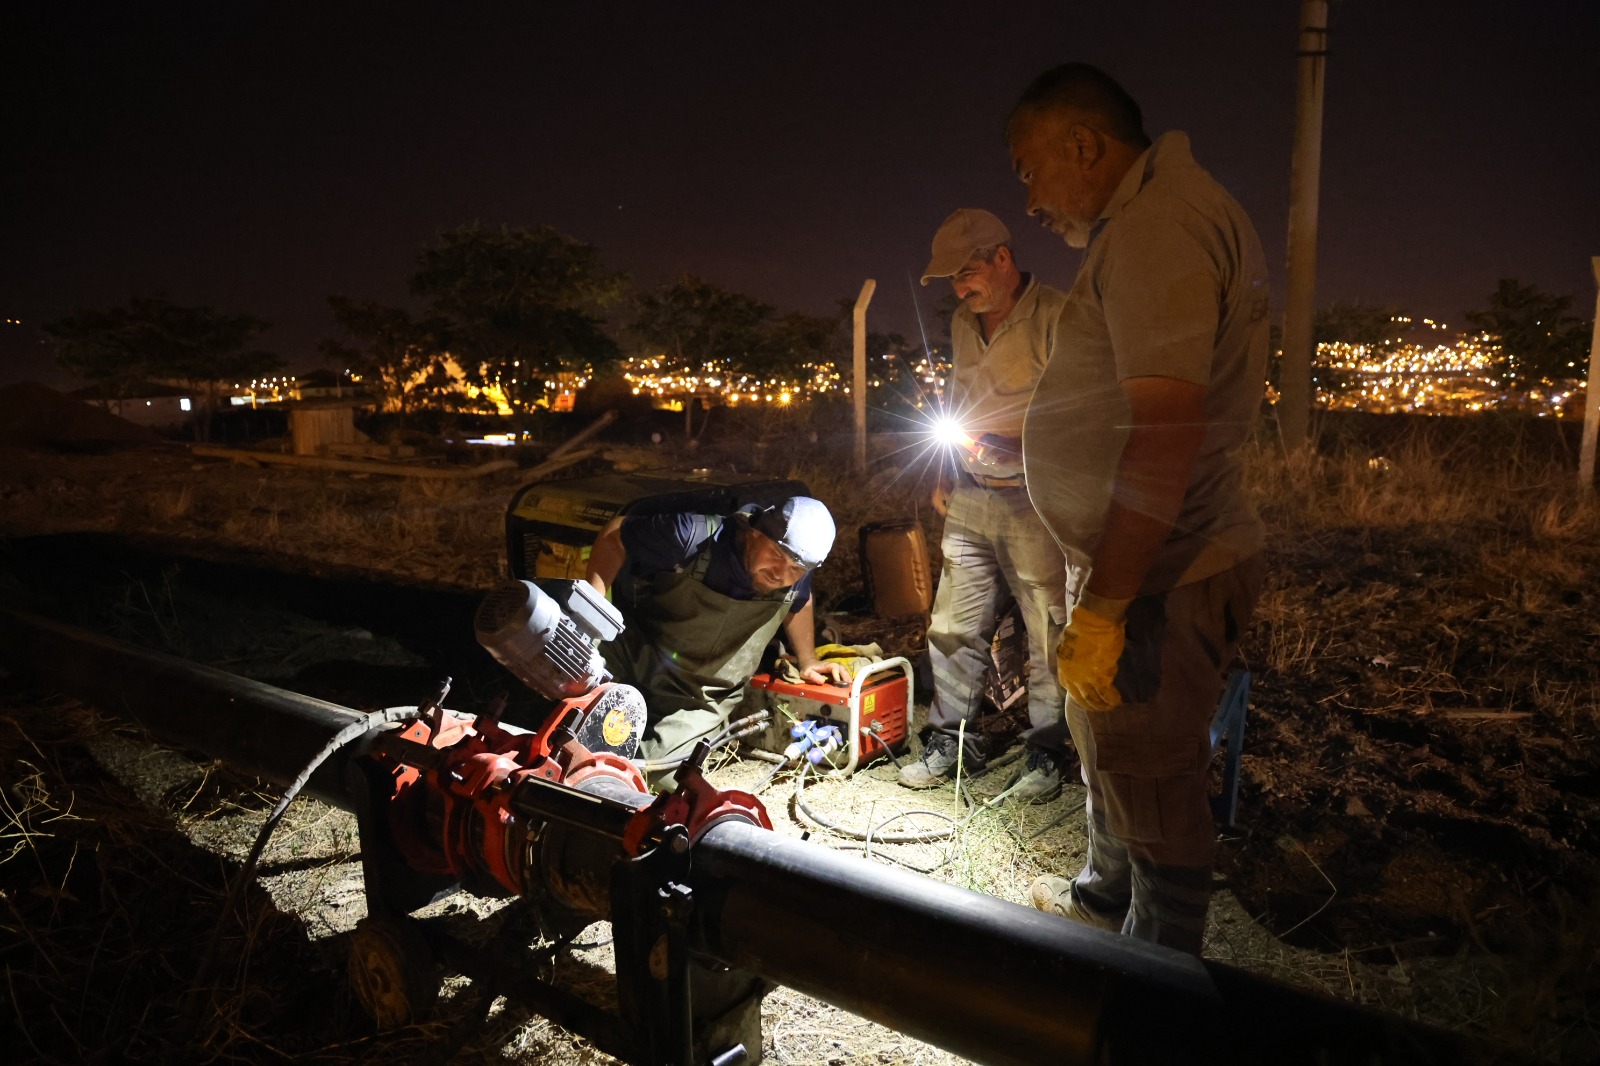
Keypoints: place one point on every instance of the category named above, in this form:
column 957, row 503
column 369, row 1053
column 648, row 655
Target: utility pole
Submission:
column 1591, row 396
column 1294, row 383
column 860, row 319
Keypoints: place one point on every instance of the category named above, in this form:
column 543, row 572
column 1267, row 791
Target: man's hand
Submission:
column 993, row 448
column 941, row 496
column 820, row 671
column 1086, row 658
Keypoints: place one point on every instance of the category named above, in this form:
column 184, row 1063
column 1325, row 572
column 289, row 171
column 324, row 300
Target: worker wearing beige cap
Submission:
column 993, row 542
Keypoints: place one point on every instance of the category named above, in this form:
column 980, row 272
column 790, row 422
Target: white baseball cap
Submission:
column 801, row 526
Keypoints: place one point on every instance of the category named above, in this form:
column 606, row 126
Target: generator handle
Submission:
column 870, row 670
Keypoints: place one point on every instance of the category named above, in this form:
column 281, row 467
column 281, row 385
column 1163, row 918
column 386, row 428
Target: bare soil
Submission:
column 1420, row 808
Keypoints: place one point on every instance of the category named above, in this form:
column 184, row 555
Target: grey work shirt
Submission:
column 1173, row 284
column 993, row 379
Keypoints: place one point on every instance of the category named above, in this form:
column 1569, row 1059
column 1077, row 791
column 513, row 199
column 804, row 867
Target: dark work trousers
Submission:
column 1151, row 838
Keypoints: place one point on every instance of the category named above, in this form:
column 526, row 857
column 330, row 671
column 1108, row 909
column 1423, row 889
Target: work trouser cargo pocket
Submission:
column 1150, row 784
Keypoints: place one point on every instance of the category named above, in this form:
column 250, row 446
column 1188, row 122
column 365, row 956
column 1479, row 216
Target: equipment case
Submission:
column 894, row 568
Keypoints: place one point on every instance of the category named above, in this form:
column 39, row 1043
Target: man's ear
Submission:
column 1087, row 144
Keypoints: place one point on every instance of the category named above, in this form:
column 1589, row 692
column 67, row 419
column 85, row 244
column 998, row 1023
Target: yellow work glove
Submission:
column 1086, row 658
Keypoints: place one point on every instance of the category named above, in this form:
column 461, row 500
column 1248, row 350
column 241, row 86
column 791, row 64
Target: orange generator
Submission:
column 870, row 713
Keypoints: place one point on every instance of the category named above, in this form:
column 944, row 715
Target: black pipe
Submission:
column 1006, row 984
column 253, row 727
column 983, row 978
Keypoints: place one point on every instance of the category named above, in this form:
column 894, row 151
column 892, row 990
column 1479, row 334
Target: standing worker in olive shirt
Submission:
column 702, row 596
column 1130, row 449
column 994, row 543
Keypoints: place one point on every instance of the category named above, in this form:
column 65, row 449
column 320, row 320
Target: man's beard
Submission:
column 1075, row 233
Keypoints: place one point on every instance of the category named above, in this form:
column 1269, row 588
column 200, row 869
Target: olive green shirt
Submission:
column 1173, row 284
column 992, row 380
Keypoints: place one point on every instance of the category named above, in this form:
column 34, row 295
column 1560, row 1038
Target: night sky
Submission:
column 257, row 157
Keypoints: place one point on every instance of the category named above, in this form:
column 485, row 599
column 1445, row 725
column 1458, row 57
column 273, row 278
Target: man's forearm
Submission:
column 1137, row 525
column 800, row 628
column 606, row 557
column 1151, row 479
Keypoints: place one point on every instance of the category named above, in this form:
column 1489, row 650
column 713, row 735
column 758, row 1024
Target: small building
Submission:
column 148, row 403
column 328, row 428
column 324, row 428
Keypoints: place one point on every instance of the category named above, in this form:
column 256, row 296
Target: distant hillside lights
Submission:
column 1441, row 379
column 560, row 393
column 265, row 390
column 669, row 386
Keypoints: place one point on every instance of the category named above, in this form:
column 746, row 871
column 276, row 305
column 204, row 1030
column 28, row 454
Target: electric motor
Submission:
column 547, row 638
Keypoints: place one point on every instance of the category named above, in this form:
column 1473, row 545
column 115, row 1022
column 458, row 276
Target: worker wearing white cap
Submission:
column 994, row 543
column 702, row 596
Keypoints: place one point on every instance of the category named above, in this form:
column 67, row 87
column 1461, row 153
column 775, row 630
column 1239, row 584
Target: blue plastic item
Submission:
column 1228, row 723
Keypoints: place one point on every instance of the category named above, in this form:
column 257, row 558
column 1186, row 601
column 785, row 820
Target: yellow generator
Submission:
column 551, row 525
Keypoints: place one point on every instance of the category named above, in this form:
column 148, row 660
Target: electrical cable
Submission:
column 734, row 730
column 741, row 727
column 930, row 836
column 755, row 789
column 354, row 731
column 850, row 845
column 872, row 732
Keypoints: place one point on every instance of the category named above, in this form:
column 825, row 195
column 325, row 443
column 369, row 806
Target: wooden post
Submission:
column 1299, row 342
column 1591, row 395
column 582, row 436
column 860, row 319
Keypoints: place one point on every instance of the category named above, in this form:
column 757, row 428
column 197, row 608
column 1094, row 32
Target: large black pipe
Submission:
column 253, row 727
column 1006, row 984
column 988, row 979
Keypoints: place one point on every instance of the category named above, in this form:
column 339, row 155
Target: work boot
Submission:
column 1039, row 779
column 938, row 763
column 1059, row 896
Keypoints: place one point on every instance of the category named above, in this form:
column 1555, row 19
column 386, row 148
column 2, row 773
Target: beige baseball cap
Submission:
column 964, row 232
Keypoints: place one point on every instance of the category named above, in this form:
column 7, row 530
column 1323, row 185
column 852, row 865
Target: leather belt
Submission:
column 1015, row 481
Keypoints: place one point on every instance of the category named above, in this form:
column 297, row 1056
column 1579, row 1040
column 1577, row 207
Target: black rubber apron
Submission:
column 690, row 650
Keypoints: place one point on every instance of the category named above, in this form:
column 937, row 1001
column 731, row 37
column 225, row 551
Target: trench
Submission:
column 338, row 634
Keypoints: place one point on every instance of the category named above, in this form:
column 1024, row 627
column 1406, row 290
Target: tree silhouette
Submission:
column 153, row 338
column 521, row 306
column 1539, row 340
column 396, row 355
column 698, row 324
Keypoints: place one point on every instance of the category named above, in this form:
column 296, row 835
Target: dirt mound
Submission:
column 34, row 414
